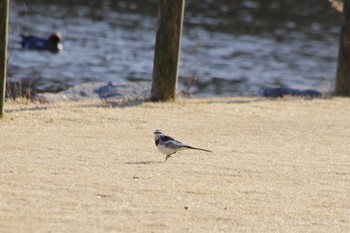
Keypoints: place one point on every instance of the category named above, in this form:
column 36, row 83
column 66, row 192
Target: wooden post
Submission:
column 343, row 71
column 4, row 17
column 167, row 49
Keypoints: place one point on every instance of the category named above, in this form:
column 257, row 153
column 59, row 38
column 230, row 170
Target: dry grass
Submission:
column 276, row 166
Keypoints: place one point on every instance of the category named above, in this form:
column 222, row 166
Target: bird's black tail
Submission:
column 195, row 148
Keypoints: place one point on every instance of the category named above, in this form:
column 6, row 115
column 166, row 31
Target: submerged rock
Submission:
column 283, row 91
column 101, row 90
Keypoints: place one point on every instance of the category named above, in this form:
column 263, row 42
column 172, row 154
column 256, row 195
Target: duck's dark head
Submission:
column 55, row 41
column 55, row 38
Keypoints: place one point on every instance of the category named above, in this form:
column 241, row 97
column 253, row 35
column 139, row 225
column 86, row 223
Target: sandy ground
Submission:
column 277, row 166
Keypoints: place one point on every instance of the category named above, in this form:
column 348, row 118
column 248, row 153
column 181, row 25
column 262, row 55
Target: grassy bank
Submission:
column 276, row 166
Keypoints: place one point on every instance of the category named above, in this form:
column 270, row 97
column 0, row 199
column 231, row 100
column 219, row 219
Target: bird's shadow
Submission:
column 142, row 162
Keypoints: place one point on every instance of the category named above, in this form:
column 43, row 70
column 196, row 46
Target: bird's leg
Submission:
column 168, row 156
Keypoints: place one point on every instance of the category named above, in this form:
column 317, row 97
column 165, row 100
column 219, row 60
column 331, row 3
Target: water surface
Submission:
column 229, row 47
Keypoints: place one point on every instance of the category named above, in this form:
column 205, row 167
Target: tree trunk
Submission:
column 167, row 49
column 343, row 71
column 4, row 12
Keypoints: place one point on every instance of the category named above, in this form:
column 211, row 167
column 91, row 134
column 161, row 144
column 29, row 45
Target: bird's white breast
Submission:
column 165, row 150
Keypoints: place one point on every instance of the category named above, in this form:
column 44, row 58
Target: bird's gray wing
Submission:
column 175, row 144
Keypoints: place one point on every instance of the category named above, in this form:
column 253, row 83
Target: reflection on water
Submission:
column 231, row 47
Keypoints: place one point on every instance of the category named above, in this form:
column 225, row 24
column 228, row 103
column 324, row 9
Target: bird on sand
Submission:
column 169, row 146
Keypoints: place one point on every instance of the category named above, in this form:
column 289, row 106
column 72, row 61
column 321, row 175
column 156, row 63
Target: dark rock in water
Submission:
column 101, row 90
column 108, row 91
column 283, row 91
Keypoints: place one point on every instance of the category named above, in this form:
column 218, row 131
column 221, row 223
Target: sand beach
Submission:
column 91, row 166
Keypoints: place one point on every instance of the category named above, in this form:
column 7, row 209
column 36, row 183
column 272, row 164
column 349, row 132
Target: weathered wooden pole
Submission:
column 343, row 71
column 167, row 49
column 4, row 18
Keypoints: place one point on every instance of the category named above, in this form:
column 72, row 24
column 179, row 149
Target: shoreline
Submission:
column 100, row 91
column 142, row 90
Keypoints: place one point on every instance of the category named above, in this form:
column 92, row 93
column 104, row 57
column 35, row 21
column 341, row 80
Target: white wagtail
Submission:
column 169, row 146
